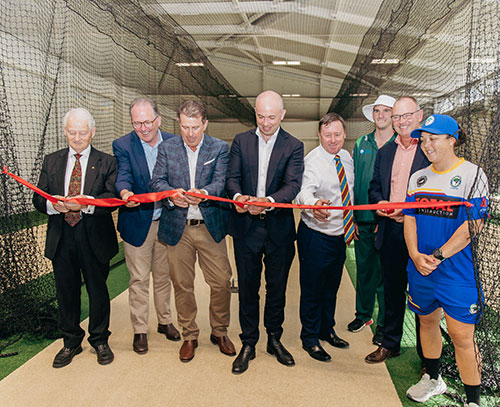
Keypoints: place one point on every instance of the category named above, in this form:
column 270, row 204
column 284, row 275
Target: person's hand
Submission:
column 179, row 199
column 192, row 200
column 74, row 206
column 356, row 232
column 59, row 205
column 384, row 212
column 397, row 215
column 255, row 210
column 321, row 214
column 242, row 198
column 125, row 195
column 425, row 263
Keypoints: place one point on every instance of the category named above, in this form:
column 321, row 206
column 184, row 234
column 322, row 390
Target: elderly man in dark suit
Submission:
column 192, row 226
column 136, row 153
column 394, row 164
column 80, row 239
column 265, row 165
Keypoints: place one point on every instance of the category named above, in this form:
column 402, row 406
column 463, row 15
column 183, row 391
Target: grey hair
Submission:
column 80, row 111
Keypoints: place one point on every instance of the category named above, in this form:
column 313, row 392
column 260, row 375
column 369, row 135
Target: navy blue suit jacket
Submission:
column 99, row 183
column 172, row 172
column 380, row 185
column 133, row 175
column 284, row 179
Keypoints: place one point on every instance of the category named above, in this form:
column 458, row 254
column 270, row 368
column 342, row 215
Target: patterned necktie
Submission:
column 346, row 200
column 75, row 186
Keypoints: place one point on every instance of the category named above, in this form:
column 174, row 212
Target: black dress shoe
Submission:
column 318, row 353
column 65, row 356
column 140, row 344
column 275, row 347
column 335, row 341
column 240, row 364
column 104, row 354
column 170, row 332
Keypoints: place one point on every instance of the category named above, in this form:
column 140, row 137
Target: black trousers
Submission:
column 73, row 258
column 322, row 260
column 256, row 248
column 394, row 259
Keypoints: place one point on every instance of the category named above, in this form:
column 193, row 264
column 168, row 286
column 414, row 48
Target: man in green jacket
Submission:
column 369, row 271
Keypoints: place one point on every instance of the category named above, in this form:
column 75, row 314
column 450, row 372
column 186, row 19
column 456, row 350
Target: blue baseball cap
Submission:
column 438, row 124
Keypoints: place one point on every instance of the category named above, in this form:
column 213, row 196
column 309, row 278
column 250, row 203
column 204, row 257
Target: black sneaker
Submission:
column 379, row 335
column 357, row 325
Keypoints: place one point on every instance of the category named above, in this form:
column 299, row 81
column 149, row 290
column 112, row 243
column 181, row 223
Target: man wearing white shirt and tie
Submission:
column 323, row 234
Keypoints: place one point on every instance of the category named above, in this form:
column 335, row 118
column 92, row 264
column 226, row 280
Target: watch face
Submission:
column 437, row 254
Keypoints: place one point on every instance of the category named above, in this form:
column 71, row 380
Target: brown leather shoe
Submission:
column 381, row 355
column 186, row 352
column 170, row 332
column 225, row 344
column 140, row 343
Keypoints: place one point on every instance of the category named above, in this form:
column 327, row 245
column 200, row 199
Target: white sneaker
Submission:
column 426, row 388
column 471, row 405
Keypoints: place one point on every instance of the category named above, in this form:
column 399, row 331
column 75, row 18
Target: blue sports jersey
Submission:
column 464, row 182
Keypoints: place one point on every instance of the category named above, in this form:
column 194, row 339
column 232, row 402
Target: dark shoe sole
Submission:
column 252, row 357
column 59, row 365
column 169, row 337
column 374, row 362
column 214, row 341
column 141, row 351
column 319, row 359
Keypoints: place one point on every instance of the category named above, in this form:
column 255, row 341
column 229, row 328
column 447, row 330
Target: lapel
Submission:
column 278, row 149
column 418, row 160
column 182, row 162
column 387, row 170
column 60, row 171
column 93, row 168
column 253, row 151
column 138, row 152
column 203, row 157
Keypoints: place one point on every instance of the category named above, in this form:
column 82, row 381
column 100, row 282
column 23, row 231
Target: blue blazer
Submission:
column 133, row 175
column 380, row 185
column 172, row 171
column 284, row 179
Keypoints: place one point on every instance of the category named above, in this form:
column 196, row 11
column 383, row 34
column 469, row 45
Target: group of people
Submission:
column 267, row 165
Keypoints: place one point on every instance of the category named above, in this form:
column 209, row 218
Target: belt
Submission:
column 261, row 215
column 194, row 222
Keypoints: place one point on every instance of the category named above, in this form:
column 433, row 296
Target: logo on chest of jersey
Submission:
column 456, row 181
column 421, row 180
column 449, row 212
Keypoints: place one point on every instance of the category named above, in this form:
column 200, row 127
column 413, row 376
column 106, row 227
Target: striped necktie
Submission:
column 75, row 186
column 346, row 200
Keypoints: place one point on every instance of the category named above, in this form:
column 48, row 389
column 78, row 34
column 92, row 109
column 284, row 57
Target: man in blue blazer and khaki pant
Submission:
column 192, row 226
column 136, row 153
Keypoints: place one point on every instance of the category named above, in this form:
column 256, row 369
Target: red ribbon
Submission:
column 157, row 196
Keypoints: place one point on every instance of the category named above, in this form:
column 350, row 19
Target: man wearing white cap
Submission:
column 369, row 272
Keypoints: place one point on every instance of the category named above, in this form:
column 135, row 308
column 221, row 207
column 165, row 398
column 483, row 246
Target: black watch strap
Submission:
column 438, row 255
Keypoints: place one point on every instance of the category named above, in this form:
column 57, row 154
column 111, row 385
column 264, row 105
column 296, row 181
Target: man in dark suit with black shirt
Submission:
column 80, row 239
column 265, row 165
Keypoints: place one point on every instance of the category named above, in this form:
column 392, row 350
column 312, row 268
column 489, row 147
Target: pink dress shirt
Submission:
column 401, row 167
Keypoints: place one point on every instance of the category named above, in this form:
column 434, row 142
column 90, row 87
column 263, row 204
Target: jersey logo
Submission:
column 448, row 212
column 421, row 180
column 473, row 309
column 456, row 181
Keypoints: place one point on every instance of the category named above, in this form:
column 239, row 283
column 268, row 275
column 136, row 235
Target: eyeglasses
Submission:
column 147, row 123
column 406, row 116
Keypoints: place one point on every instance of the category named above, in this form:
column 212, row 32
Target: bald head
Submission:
column 269, row 112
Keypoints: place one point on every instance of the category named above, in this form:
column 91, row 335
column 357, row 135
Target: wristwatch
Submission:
column 438, row 255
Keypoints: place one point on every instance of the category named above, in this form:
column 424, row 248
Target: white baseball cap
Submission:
column 381, row 100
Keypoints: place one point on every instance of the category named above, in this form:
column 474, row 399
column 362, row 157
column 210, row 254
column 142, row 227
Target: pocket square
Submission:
column 208, row 162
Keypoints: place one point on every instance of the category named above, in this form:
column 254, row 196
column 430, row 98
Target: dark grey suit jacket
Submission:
column 99, row 182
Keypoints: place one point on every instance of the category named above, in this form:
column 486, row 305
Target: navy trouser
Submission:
column 322, row 260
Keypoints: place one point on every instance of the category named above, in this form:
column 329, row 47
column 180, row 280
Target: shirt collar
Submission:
column 272, row 138
column 398, row 141
column 328, row 155
column 84, row 153
column 197, row 147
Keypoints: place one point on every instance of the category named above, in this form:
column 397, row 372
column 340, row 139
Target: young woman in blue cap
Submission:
column 441, row 270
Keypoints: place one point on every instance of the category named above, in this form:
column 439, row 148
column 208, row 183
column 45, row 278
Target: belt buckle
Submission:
column 262, row 216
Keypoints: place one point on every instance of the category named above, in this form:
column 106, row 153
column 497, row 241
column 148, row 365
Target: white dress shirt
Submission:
column 193, row 210
column 151, row 154
column 70, row 164
column 321, row 181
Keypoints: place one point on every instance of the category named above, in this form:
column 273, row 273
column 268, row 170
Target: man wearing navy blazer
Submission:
column 394, row 164
column 266, row 165
column 191, row 226
column 81, row 240
column 136, row 153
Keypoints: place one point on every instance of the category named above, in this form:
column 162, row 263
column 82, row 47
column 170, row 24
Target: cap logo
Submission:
column 429, row 121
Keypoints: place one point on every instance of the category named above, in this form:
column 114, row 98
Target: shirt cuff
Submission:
column 89, row 210
column 273, row 201
column 236, row 195
column 51, row 210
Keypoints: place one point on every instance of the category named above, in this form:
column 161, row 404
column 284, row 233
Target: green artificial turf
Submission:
column 29, row 345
